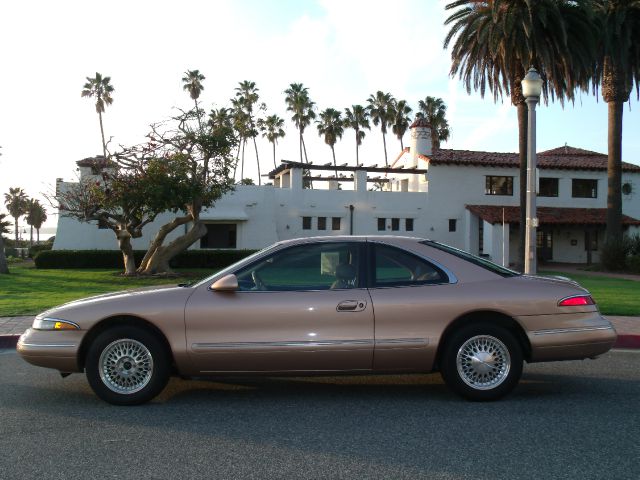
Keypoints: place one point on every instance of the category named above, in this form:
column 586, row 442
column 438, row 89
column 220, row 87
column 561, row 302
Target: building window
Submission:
column 322, row 223
column 103, row 224
column 480, row 237
column 335, row 223
column 498, row 185
column 548, row 187
column 627, row 188
column 382, row 224
column 584, row 188
column 452, row 224
column 395, row 224
column 306, row 223
column 219, row 235
column 408, row 224
column 593, row 236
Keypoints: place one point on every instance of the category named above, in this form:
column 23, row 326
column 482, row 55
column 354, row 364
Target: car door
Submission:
column 407, row 292
column 301, row 308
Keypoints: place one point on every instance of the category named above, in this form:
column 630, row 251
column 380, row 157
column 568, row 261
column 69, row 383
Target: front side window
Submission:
column 395, row 268
column 584, row 188
column 495, row 185
column 322, row 266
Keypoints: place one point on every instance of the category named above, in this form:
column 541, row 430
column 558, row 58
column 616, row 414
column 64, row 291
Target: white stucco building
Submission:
column 466, row 199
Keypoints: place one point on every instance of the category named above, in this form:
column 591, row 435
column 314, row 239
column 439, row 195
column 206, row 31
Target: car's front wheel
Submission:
column 127, row 366
column 482, row 362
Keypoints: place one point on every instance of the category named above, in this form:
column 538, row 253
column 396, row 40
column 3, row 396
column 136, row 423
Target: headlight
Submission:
column 47, row 323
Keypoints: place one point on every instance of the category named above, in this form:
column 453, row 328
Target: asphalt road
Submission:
column 566, row 420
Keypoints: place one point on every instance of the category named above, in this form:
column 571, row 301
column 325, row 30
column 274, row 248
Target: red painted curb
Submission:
column 627, row 341
column 8, row 341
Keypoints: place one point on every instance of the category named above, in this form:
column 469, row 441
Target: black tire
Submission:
column 476, row 380
column 127, row 365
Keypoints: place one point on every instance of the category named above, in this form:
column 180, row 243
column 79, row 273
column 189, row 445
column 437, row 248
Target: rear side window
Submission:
column 397, row 268
column 480, row 262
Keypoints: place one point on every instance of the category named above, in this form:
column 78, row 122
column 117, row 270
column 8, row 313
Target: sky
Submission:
column 342, row 50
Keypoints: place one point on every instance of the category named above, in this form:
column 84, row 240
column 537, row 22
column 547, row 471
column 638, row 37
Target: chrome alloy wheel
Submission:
column 126, row 366
column 483, row 362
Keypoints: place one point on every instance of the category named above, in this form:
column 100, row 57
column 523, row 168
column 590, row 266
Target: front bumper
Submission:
column 576, row 337
column 51, row 349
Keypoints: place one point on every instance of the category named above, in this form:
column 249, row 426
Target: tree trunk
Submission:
column 335, row 165
column 37, row 236
column 522, row 153
column 15, row 223
column 614, row 173
column 124, row 242
column 384, row 143
column 401, row 145
column 357, row 150
column 156, row 243
column 255, row 147
column 304, row 147
column 30, row 235
column 159, row 260
column 4, row 267
column 274, row 155
column 300, row 146
column 104, row 145
column 244, row 143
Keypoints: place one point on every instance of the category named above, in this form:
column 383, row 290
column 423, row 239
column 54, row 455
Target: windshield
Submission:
column 479, row 261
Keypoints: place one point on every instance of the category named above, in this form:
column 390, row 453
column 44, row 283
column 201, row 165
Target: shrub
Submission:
column 614, row 254
column 214, row 259
column 634, row 245
column 35, row 249
column 633, row 264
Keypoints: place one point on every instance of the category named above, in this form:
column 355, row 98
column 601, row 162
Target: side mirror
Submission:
column 228, row 283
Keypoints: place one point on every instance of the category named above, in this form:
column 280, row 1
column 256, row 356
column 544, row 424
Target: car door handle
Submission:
column 351, row 306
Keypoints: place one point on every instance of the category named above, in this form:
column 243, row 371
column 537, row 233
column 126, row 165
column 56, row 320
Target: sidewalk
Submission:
column 628, row 329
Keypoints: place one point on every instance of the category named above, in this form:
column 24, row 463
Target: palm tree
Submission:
column 382, row 113
column 618, row 23
column 302, row 108
column 100, row 88
column 401, row 119
column 331, row 126
column 4, row 228
column 36, row 216
column 497, row 40
column 434, row 111
column 193, row 84
column 357, row 118
column 240, row 123
column 16, row 203
column 247, row 96
column 271, row 128
column 221, row 118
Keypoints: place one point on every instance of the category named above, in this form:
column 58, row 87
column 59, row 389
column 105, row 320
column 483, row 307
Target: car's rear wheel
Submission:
column 482, row 362
column 127, row 366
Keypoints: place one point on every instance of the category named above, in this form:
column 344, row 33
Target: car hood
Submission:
column 120, row 298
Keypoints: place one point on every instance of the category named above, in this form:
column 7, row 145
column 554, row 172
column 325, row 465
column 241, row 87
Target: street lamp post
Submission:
column 531, row 89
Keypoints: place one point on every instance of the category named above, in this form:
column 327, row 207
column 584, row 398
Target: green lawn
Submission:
column 614, row 296
column 28, row 290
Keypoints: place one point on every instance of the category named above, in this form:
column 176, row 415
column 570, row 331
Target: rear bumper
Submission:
column 594, row 337
column 51, row 349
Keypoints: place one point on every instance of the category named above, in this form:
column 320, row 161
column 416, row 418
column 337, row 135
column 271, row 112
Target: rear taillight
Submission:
column 576, row 301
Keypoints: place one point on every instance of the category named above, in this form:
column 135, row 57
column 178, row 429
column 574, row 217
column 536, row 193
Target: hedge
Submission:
column 215, row 259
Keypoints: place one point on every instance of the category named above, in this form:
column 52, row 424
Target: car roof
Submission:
column 350, row 238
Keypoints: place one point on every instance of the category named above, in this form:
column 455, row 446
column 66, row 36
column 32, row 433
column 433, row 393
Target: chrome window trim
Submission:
column 318, row 343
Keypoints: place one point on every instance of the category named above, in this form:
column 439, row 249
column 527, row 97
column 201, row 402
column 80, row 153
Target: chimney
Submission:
column 420, row 139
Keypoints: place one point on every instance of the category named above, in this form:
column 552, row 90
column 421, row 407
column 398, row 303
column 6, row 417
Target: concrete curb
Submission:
column 623, row 341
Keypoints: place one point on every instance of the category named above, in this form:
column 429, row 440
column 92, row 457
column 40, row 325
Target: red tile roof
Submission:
column 547, row 215
column 97, row 161
column 561, row 158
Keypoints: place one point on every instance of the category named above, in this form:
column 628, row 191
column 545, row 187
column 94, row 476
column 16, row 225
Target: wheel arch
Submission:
column 120, row 320
column 487, row 316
